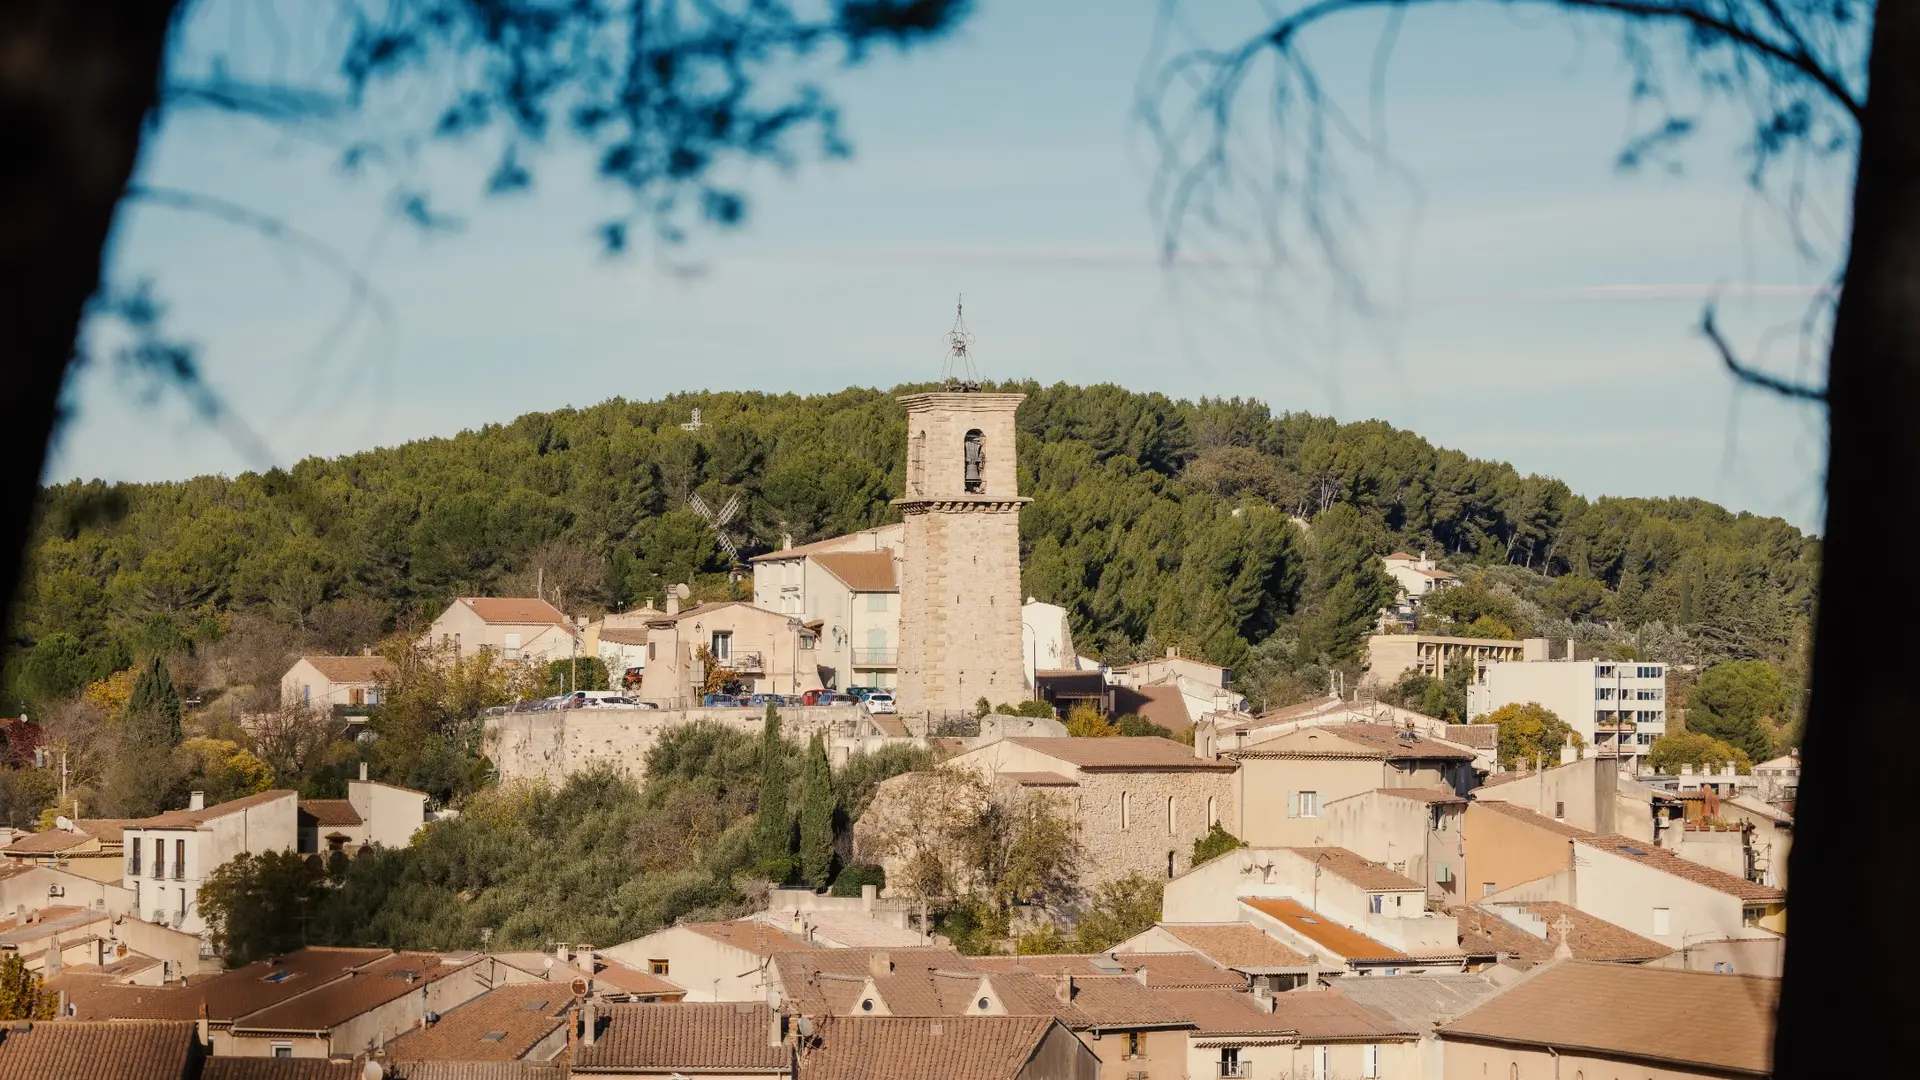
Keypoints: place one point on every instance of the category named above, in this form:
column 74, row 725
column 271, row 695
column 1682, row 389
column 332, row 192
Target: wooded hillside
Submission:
column 1154, row 522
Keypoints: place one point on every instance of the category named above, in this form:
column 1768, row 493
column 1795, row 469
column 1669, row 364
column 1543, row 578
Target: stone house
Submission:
column 330, row 682
column 169, row 856
column 514, row 628
column 761, row 651
column 1285, row 783
column 1139, row 803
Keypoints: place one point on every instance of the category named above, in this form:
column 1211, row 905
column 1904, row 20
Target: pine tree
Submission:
column 816, row 815
column 773, row 831
column 154, row 707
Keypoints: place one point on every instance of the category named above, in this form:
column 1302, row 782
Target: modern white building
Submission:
column 169, row 856
column 1618, row 707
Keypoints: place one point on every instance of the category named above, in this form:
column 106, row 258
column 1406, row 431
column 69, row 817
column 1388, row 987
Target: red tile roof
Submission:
column 1323, row 931
column 365, row 987
column 499, row 1025
column 514, row 610
column 88, row 1050
column 319, row 813
column 949, row 1047
column 189, row 819
column 705, row 1037
column 861, row 571
column 1376, row 741
column 269, row 1068
column 1484, row 932
column 1365, row 873
column 1240, row 946
column 1661, row 859
column 1437, row 796
column 352, row 669
column 1162, row 705
column 749, row 935
column 1122, row 752
column 1165, row 970
column 1698, row 1021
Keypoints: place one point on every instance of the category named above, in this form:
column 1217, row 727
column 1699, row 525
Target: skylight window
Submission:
column 493, row 1036
column 279, row 976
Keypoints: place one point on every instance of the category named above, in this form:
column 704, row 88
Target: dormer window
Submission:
column 976, row 462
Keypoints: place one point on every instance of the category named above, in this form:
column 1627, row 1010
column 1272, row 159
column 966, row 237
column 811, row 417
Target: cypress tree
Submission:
column 773, row 830
column 154, row 706
column 816, row 815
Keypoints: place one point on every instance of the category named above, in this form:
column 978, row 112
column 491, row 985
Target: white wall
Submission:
column 273, row 825
column 1626, row 893
column 389, row 816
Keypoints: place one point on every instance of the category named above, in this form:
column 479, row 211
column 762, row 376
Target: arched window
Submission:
column 1123, row 810
column 1213, row 811
column 976, row 462
column 1169, row 815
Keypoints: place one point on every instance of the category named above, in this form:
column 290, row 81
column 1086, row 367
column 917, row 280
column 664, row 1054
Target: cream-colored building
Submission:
column 1418, row 832
column 1618, row 707
column 1418, row 579
column 1390, row 656
column 713, row 961
column 169, row 856
column 1314, row 1033
column 514, row 628
column 329, row 682
column 760, row 651
column 1286, row 783
column 373, row 814
column 1591, row 793
column 960, row 632
column 1139, row 803
column 1229, row 732
column 846, row 590
column 1579, row 1019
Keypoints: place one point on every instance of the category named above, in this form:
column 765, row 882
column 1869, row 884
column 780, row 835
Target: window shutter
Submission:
column 1293, row 804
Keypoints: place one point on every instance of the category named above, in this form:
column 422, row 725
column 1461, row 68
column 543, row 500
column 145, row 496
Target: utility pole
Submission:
column 63, row 777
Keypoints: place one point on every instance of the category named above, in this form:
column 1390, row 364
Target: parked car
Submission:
column 720, row 701
column 843, row 699
column 816, row 697
column 860, row 692
column 879, row 702
column 761, row 701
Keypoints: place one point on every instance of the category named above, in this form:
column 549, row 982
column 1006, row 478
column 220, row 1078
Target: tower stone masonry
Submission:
column 960, row 574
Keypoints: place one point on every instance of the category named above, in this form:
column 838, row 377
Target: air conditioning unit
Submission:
column 56, row 890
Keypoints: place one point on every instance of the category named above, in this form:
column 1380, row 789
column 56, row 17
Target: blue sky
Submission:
column 1530, row 302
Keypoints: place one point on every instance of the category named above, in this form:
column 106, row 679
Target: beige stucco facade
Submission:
column 1271, row 1058
column 765, row 651
column 461, row 630
column 1390, row 656
column 709, row 969
column 1671, row 910
column 960, row 631
column 1474, row 1060
column 168, row 857
column 1421, row 839
column 1286, row 783
column 1503, row 851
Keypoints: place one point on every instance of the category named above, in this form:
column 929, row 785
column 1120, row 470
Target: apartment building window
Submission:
column 1649, row 695
column 1662, row 921
column 876, row 601
column 159, row 858
column 183, row 907
column 1647, row 672
column 1136, row 1044
column 179, row 860
column 657, row 967
column 1603, row 693
column 1303, row 804
column 1604, row 671
column 1230, row 1063
column 1370, row 1061
column 721, row 645
column 133, row 861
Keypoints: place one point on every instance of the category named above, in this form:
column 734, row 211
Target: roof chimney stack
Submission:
column 879, row 964
column 1063, row 988
column 588, row 1021
column 673, row 604
column 196, row 800
column 363, row 772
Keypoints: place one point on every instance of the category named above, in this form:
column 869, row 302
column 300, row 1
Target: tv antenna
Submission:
column 958, row 370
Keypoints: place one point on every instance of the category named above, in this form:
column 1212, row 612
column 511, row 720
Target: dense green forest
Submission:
column 1240, row 535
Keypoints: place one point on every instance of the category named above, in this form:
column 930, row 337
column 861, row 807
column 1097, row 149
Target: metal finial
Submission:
column 958, row 370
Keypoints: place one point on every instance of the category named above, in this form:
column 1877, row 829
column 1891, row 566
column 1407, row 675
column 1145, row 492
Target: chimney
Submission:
column 776, row 1029
column 588, row 1021
column 1686, row 770
column 363, row 772
column 1063, row 988
column 1263, row 996
column 1568, row 755
column 1729, row 770
column 1313, row 972
column 868, row 893
column 879, row 964
column 366, row 650
column 1139, row 973
column 62, row 1013
column 52, row 965
column 196, row 800
column 673, row 604
column 560, row 953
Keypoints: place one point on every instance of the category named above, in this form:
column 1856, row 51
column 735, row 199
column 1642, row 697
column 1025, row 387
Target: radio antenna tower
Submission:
column 958, row 370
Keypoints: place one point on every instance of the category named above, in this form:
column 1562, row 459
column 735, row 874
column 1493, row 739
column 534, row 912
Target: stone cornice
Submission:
column 961, row 504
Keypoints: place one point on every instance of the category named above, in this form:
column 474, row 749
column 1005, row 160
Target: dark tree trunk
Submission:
column 76, row 83
column 1848, row 999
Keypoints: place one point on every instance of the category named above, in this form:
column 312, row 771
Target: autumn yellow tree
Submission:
column 22, row 995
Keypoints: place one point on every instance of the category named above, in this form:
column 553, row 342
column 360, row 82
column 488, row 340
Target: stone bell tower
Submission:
column 960, row 573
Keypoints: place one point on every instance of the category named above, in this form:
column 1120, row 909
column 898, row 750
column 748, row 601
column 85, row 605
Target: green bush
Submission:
column 853, row 877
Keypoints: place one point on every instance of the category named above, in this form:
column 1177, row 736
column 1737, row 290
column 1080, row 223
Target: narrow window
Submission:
column 1213, row 811
column 1170, row 821
column 1319, row 1063
column 1309, row 804
column 1559, row 811
column 1370, row 1061
column 159, row 858
column 976, row 462
column 1662, row 921
column 1375, row 902
column 1123, row 810
column 183, row 908
column 179, row 860
column 1169, row 864
column 357, row 696
column 722, row 645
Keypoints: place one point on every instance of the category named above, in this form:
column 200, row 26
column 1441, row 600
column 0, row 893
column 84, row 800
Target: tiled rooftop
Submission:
column 1123, row 752
column 1661, row 859
column 88, row 1050
column 1365, row 873
column 951, row 1047
column 703, row 1037
column 1239, row 946
column 499, row 1025
column 1323, row 931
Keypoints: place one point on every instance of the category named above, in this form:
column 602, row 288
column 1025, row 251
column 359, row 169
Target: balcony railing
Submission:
column 876, row 658
column 746, row 661
column 1233, row 1070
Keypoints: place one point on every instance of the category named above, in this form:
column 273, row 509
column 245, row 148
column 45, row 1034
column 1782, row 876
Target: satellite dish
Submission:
column 547, row 963
column 63, row 823
column 805, row 1027
column 372, row 1070
column 682, row 591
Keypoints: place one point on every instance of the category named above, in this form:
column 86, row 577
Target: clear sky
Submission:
column 1532, row 303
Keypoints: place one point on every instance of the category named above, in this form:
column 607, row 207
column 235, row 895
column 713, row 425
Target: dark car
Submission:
column 720, row 701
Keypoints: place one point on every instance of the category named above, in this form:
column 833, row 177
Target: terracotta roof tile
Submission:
column 514, row 610
column 1223, row 1012
column 861, row 571
column 848, row 542
column 1038, row 779
column 1483, row 932
column 352, row 669
column 1377, row 741
column 51, row 842
column 1419, row 1002
column 189, row 819
column 750, row 935
column 1685, row 1018
column 1362, row 872
column 1478, row 736
column 628, row 979
column 269, row 1068
column 87, row 1050
column 951, row 1047
column 474, row 1070
column 1162, row 705
column 1662, row 859
column 1123, row 752
column 1165, row 970
column 321, row 813
column 1438, row 796
column 1115, row 1002
column 1319, row 929
column 1239, row 946
column 334, row 1003
column 1538, row 820
column 499, row 1025
column 822, row 982
column 621, row 636
column 706, row 1036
